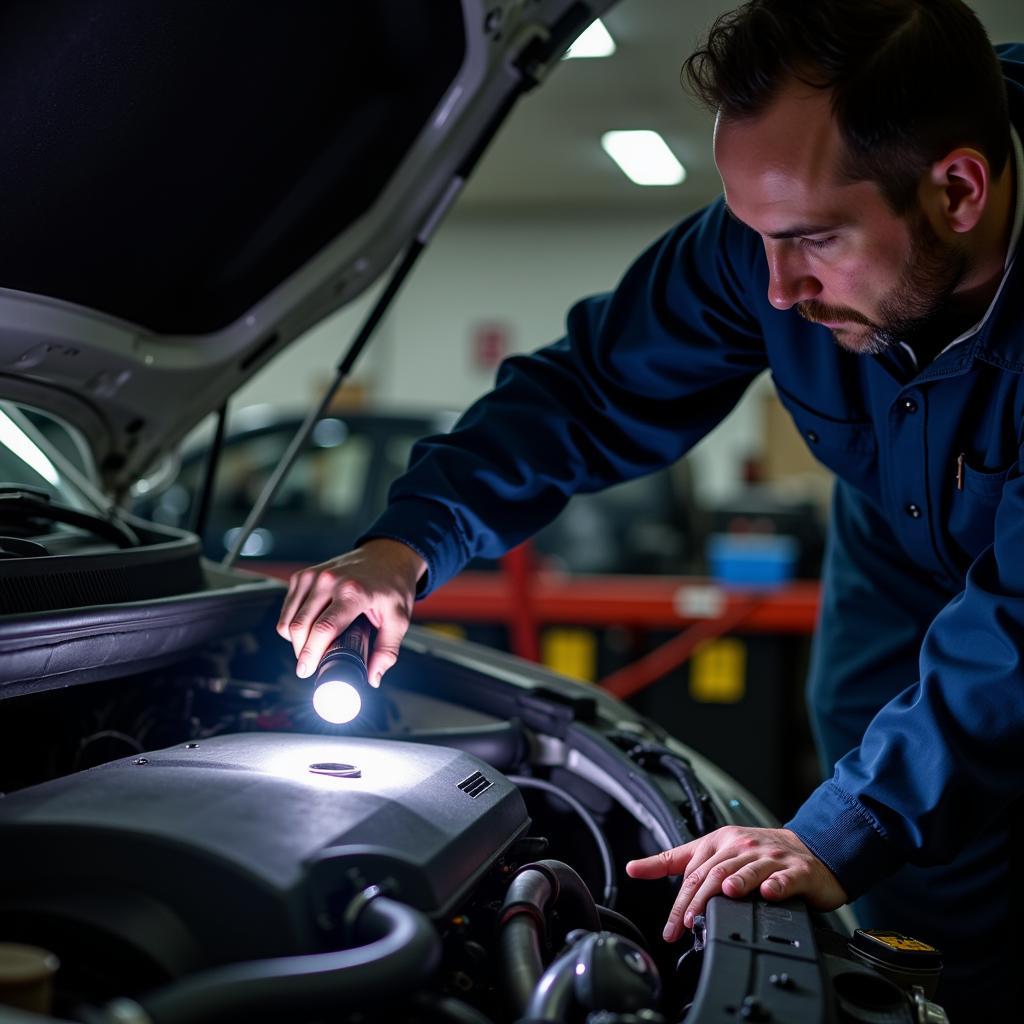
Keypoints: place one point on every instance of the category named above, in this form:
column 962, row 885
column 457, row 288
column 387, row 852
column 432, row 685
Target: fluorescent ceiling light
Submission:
column 594, row 41
column 644, row 157
column 16, row 440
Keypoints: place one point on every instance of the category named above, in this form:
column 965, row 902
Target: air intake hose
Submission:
column 401, row 949
column 536, row 889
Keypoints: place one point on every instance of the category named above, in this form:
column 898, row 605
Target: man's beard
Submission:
column 915, row 309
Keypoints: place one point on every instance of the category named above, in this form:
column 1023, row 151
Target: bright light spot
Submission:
column 644, row 157
column 253, row 417
column 594, row 41
column 329, row 433
column 337, row 702
column 15, row 439
column 259, row 542
column 581, row 968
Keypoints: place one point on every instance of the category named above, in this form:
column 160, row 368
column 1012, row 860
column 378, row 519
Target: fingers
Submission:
column 386, row 646
column 661, row 865
column 794, row 880
column 298, row 587
column 328, row 625
column 377, row 579
column 703, row 882
column 737, row 861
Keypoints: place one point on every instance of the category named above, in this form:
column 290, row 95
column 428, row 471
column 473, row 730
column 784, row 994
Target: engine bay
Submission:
column 193, row 844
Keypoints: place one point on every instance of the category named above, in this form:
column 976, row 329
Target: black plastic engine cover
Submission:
column 234, row 849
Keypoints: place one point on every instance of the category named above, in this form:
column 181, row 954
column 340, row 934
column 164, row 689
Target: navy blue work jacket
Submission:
column 645, row 372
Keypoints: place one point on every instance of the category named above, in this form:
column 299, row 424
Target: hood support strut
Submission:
column 298, row 442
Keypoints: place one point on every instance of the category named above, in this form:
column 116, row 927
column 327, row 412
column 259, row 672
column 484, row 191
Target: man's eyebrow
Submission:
column 798, row 231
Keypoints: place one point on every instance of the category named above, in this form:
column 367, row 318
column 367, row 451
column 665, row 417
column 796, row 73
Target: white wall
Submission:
column 523, row 272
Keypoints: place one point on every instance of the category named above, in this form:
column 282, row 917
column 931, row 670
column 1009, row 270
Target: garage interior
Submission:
column 662, row 634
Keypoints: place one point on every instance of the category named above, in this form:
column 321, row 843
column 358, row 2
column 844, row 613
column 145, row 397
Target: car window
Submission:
column 328, row 479
column 394, row 458
column 334, row 478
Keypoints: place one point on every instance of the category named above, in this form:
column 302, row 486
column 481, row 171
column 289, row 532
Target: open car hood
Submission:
column 188, row 187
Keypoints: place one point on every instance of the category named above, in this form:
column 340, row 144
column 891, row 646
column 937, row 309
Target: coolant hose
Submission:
column 535, row 889
column 401, row 949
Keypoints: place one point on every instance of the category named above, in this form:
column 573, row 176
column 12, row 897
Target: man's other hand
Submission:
column 378, row 579
column 734, row 861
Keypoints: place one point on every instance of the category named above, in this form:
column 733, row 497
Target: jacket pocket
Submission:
column 972, row 515
column 985, row 483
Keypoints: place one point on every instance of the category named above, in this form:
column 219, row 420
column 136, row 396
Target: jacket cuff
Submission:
column 430, row 530
column 846, row 838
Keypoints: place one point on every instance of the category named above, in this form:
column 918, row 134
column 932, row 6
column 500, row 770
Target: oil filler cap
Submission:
column 902, row 959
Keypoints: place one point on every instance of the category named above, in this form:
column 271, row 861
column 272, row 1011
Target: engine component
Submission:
column 537, row 888
column 600, row 971
column 400, row 948
column 903, row 960
column 26, row 976
column 244, row 847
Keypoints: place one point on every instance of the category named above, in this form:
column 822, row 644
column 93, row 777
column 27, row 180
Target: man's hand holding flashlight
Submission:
column 377, row 579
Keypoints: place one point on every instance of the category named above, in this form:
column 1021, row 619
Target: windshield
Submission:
column 39, row 452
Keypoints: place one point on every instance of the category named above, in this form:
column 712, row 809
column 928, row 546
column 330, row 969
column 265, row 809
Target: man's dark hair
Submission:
column 910, row 79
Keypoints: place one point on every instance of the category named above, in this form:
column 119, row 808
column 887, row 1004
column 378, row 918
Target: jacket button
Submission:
column 812, row 437
column 913, row 511
column 909, row 405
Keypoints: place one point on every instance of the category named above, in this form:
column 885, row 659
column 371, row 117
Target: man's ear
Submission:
column 959, row 187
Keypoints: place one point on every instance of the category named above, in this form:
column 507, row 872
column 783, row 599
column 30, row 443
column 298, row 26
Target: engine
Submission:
column 191, row 847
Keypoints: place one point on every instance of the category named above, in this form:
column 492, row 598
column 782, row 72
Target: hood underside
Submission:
column 188, row 187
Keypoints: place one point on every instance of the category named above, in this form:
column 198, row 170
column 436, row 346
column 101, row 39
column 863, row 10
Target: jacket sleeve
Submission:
column 942, row 760
column 641, row 375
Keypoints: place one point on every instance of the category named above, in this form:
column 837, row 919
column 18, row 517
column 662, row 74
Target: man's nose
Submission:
column 789, row 281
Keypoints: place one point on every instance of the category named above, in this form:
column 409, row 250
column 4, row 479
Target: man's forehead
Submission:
column 781, row 169
column 795, row 136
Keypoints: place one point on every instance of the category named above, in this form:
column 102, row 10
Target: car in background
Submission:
column 339, row 484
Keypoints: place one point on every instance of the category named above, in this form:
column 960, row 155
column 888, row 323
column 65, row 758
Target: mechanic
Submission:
column 863, row 251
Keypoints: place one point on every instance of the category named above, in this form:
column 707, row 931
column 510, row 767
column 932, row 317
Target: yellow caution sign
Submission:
column 572, row 652
column 718, row 672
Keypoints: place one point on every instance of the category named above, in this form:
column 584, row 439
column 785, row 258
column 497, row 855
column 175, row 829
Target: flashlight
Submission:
column 341, row 677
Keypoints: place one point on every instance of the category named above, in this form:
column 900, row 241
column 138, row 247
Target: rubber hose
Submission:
column 613, row 921
column 447, row 1008
column 402, row 949
column 521, row 959
column 603, row 849
column 574, row 900
column 535, row 889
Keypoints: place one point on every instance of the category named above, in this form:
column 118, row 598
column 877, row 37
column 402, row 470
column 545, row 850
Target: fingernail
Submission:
column 669, row 933
column 302, row 669
column 688, row 920
column 375, row 681
column 773, row 886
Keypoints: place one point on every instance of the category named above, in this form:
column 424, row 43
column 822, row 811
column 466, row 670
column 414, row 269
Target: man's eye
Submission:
column 818, row 243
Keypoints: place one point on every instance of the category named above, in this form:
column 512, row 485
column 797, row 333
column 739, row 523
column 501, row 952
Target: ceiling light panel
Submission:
column 594, row 41
column 644, row 157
